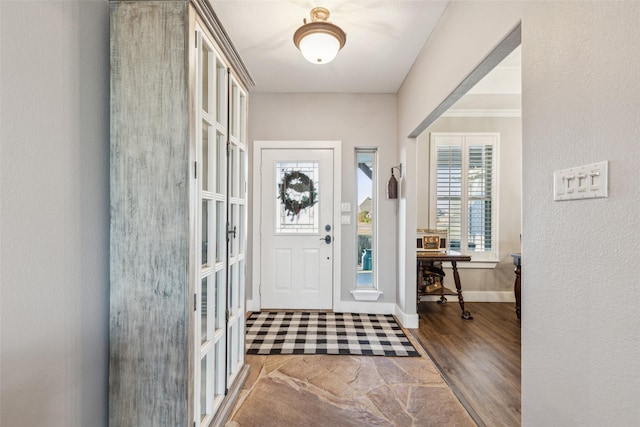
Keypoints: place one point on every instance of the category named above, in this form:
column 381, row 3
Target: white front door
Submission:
column 297, row 229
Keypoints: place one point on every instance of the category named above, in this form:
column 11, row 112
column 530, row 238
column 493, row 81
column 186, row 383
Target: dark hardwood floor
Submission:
column 479, row 358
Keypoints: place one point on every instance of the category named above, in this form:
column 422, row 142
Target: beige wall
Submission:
column 54, row 169
column 580, row 105
column 366, row 120
column 494, row 284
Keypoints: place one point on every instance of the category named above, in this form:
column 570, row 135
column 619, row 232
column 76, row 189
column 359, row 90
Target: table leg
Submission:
column 516, row 289
column 443, row 299
column 456, row 278
column 418, row 283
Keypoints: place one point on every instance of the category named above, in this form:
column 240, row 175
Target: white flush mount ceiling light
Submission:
column 319, row 40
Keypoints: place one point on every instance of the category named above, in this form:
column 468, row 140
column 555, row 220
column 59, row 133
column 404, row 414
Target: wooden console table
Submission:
column 423, row 258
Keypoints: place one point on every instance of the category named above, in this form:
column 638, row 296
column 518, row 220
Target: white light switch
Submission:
column 582, row 182
column 346, row 219
column 346, row 207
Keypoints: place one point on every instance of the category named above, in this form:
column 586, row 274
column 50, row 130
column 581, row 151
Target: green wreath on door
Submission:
column 297, row 192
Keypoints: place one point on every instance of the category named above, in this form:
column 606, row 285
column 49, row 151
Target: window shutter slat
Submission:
column 449, row 192
column 480, row 177
column 464, row 174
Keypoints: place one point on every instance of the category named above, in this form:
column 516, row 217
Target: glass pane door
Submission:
column 237, row 206
column 211, row 218
column 221, row 219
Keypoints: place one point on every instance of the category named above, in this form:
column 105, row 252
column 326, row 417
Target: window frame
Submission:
column 464, row 140
column 374, row 210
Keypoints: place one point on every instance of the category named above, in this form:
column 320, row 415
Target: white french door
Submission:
column 297, row 228
column 221, row 224
column 236, row 228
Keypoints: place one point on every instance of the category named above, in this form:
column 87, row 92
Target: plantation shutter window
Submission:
column 463, row 192
column 449, row 192
column 479, row 202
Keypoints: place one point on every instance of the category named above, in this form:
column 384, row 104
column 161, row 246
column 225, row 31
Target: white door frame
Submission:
column 258, row 146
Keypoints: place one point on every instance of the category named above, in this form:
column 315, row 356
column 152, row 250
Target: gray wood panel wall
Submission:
column 148, row 379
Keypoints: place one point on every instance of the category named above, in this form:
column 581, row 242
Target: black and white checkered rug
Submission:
column 326, row 333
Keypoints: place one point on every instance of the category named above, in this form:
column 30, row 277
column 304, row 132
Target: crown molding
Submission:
column 482, row 113
column 211, row 20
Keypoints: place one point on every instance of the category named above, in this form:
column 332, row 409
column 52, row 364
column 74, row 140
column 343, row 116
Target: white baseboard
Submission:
column 365, row 307
column 409, row 321
column 406, row 320
column 252, row 305
column 478, row 296
column 344, row 307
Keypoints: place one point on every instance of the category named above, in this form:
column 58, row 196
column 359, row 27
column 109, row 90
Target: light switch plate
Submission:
column 346, row 219
column 582, row 182
column 346, row 207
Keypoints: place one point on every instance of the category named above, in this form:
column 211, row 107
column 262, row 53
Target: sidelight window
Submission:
column 366, row 217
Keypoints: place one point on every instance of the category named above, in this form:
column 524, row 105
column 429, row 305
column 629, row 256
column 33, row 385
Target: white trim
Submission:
column 406, row 320
column 388, row 308
column 375, row 227
column 258, row 146
column 364, row 307
column 495, row 197
column 252, row 305
column 366, row 294
column 477, row 296
column 482, row 113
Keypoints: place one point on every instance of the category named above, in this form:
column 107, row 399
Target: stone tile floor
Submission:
column 336, row 391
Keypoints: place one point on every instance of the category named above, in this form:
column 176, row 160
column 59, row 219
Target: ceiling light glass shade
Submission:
column 319, row 41
column 319, row 48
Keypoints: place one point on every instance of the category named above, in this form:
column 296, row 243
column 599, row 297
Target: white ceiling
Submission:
column 383, row 40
